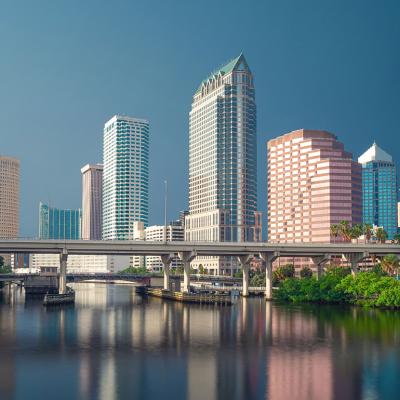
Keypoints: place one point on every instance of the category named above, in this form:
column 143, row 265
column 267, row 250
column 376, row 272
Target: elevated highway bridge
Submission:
column 187, row 251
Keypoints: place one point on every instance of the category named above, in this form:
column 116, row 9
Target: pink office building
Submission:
column 312, row 183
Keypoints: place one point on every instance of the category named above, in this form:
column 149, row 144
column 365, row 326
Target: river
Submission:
column 114, row 344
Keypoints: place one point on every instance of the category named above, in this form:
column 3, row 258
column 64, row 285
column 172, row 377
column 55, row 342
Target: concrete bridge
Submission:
column 187, row 251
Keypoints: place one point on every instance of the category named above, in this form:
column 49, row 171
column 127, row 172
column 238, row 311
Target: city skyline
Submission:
column 346, row 83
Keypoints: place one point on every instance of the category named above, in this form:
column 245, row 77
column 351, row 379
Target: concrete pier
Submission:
column 62, row 287
column 166, row 260
column 186, row 257
column 268, row 258
column 245, row 263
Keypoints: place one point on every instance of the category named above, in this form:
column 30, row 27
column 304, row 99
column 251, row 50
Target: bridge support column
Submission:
column 186, row 257
column 319, row 261
column 62, row 283
column 166, row 260
column 268, row 258
column 354, row 259
column 245, row 262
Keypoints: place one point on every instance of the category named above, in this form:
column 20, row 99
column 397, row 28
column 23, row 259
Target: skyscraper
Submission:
column 312, row 183
column 126, row 176
column 222, row 161
column 379, row 182
column 9, row 197
column 92, row 191
column 56, row 223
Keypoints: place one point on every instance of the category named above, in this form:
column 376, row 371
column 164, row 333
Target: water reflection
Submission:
column 113, row 344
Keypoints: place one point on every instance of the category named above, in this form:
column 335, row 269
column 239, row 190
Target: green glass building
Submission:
column 56, row 223
column 379, row 182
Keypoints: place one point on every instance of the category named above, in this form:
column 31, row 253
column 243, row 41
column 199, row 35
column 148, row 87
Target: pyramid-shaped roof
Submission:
column 226, row 68
column 374, row 153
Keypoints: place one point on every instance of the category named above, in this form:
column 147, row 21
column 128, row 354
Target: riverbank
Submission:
column 337, row 286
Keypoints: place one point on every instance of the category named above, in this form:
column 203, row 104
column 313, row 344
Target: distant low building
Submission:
column 81, row 263
column 156, row 233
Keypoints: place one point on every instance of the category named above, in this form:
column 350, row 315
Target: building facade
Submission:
column 125, row 176
column 222, row 161
column 379, row 182
column 92, row 210
column 312, row 183
column 56, row 223
column 156, row 233
column 9, row 197
column 82, row 263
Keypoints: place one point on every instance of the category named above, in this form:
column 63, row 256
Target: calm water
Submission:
column 115, row 345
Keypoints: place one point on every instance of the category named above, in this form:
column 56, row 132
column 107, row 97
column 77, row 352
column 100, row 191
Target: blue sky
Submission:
column 67, row 66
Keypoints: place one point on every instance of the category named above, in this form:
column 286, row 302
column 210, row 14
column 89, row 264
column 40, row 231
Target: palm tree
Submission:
column 334, row 231
column 345, row 230
column 396, row 238
column 368, row 231
column 381, row 235
column 356, row 231
column 390, row 264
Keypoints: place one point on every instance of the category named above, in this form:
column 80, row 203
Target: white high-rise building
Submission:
column 92, row 191
column 125, row 176
column 222, row 162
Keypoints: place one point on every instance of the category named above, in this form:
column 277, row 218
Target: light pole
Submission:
column 165, row 209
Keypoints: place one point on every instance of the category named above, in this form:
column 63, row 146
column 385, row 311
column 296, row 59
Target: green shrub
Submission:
column 257, row 278
column 282, row 273
column 306, row 272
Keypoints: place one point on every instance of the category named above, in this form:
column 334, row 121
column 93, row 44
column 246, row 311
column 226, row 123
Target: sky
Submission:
column 66, row 67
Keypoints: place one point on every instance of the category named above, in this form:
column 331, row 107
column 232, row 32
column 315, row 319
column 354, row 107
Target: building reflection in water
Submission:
column 113, row 344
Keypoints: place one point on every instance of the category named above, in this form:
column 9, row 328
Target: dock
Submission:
column 198, row 298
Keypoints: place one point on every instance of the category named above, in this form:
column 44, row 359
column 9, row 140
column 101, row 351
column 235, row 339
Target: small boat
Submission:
column 58, row 298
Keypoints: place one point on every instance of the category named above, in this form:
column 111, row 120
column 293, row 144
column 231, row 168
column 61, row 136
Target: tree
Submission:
column 4, row 269
column 201, row 269
column 335, row 231
column 368, row 231
column 356, row 231
column 381, row 235
column 396, row 238
column 345, row 230
column 282, row 273
column 306, row 272
column 390, row 264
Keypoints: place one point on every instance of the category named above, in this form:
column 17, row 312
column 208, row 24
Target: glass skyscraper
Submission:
column 379, row 181
column 125, row 176
column 222, row 161
column 55, row 223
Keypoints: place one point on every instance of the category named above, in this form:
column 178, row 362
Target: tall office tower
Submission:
column 379, row 182
column 9, row 197
column 92, row 191
column 222, row 161
column 125, row 177
column 56, row 223
column 9, row 200
column 312, row 183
